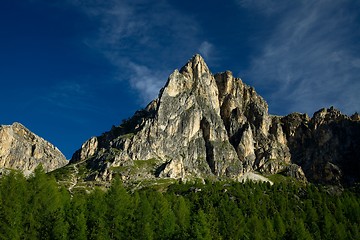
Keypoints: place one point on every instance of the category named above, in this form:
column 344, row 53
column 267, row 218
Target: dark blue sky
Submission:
column 70, row 69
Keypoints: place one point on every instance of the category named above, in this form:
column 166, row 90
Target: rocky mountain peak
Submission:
column 201, row 125
column 195, row 68
column 215, row 126
column 327, row 115
column 355, row 117
column 23, row 150
column 193, row 82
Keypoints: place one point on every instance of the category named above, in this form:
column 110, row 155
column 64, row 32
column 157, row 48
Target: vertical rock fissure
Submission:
column 227, row 114
column 205, row 128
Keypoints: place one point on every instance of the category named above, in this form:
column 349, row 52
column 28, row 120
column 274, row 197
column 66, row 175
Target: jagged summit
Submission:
column 215, row 126
column 195, row 68
column 22, row 150
column 201, row 125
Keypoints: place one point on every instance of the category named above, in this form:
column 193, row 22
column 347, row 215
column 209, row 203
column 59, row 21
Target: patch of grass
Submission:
column 152, row 162
column 83, row 170
column 158, row 184
column 63, row 173
column 123, row 170
column 139, row 166
column 279, row 178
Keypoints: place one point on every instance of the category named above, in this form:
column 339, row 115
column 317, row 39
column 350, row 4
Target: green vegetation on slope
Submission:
column 38, row 208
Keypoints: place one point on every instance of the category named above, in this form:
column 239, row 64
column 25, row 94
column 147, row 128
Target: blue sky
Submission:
column 70, row 69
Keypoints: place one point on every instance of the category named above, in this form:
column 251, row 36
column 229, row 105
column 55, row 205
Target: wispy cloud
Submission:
column 206, row 49
column 147, row 82
column 311, row 59
column 70, row 96
column 264, row 6
column 137, row 35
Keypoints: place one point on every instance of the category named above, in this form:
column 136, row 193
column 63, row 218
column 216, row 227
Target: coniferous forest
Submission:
column 38, row 208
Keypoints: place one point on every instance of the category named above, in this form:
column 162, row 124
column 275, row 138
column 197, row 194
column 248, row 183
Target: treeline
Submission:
column 37, row 208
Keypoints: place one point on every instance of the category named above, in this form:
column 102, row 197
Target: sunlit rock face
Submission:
column 214, row 126
column 22, row 150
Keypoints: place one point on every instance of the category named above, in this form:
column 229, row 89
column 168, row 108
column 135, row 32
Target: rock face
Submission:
column 22, row 150
column 215, row 126
column 326, row 146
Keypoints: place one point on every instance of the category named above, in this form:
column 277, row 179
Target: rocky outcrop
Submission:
column 326, row 146
column 215, row 126
column 22, row 150
column 201, row 125
column 256, row 136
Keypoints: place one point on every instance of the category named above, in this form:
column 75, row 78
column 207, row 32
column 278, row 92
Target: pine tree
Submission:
column 143, row 219
column 76, row 217
column 269, row 232
column 61, row 226
column 96, row 215
column 279, row 226
column 201, row 226
column 163, row 216
column 301, row 233
column 45, row 208
column 182, row 216
column 12, row 205
column 119, row 211
column 254, row 228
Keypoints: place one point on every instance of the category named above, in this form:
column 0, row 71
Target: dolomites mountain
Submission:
column 22, row 150
column 215, row 126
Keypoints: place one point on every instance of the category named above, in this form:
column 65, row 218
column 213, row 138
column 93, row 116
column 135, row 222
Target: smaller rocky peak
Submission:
column 195, row 68
column 88, row 149
column 23, row 150
column 326, row 116
column 296, row 118
column 17, row 125
column 19, row 130
column 355, row 117
column 327, row 113
column 14, row 126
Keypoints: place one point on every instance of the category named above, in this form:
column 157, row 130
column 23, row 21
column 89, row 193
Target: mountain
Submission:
column 205, row 126
column 23, row 150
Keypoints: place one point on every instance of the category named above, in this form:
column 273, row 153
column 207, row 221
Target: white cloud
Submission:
column 311, row 60
column 145, row 81
column 145, row 33
column 206, row 49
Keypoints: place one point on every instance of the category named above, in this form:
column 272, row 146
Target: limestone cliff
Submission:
column 202, row 125
column 22, row 150
column 215, row 126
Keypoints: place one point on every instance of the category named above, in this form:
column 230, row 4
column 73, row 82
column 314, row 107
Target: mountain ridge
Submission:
column 201, row 126
column 215, row 126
